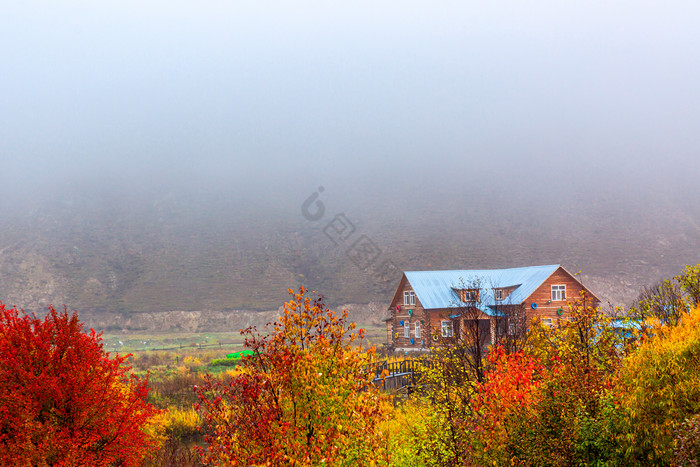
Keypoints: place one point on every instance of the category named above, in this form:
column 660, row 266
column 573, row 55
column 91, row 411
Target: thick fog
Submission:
column 568, row 122
column 286, row 96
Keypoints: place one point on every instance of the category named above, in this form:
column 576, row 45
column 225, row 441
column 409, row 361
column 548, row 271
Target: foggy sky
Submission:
column 424, row 99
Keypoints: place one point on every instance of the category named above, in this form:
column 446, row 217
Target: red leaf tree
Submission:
column 63, row 400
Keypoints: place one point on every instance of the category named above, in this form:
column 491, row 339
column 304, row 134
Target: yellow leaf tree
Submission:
column 660, row 390
column 305, row 397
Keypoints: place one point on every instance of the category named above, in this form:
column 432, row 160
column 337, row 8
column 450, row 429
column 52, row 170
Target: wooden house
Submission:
column 430, row 306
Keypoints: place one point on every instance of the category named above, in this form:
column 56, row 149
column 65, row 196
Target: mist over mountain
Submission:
column 157, row 156
column 131, row 248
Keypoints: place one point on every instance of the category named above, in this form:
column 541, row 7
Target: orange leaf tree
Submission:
column 551, row 404
column 305, row 397
column 63, row 400
column 572, row 407
column 502, row 400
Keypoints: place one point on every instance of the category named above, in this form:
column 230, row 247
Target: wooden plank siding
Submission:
column 542, row 296
column 416, row 316
column 435, row 319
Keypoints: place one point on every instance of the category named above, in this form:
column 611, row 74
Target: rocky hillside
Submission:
column 122, row 255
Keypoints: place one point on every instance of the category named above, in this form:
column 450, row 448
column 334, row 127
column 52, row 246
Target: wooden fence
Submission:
column 397, row 375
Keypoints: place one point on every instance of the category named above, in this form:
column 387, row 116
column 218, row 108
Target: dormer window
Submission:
column 469, row 295
column 498, row 294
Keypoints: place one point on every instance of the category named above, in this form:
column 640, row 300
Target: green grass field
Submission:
column 226, row 342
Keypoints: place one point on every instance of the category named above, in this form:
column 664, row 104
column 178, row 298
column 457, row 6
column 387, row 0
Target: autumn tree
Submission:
column 547, row 405
column 690, row 283
column 581, row 357
column 580, row 393
column 503, row 401
column 663, row 300
column 510, row 320
column 668, row 300
column 458, row 364
column 659, row 391
column 480, row 321
column 63, row 400
column 446, row 389
column 305, row 397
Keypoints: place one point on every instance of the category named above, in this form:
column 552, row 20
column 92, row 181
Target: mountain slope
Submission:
column 176, row 252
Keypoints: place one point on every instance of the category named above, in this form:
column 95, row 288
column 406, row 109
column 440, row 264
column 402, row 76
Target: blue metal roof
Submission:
column 438, row 289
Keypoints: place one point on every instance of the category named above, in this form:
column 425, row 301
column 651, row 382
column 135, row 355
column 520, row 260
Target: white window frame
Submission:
column 447, row 328
column 549, row 322
column 417, row 330
column 406, row 329
column 405, row 298
column 412, row 297
column 558, row 293
column 499, row 294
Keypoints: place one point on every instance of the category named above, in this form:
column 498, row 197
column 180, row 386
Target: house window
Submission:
column 409, row 298
column 417, row 329
column 470, row 295
column 499, row 294
column 406, row 329
column 512, row 328
column 547, row 322
column 447, row 329
column 558, row 292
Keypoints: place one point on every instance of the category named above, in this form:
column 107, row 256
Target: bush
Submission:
column 659, row 390
column 63, row 400
column 226, row 361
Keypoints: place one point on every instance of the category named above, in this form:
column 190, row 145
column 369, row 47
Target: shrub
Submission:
column 226, row 361
column 660, row 389
column 63, row 400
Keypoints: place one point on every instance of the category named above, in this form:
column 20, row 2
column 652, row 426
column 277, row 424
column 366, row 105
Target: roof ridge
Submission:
column 492, row 269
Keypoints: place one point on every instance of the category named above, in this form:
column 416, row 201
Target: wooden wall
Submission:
column 417, row 314
column 542, row 296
